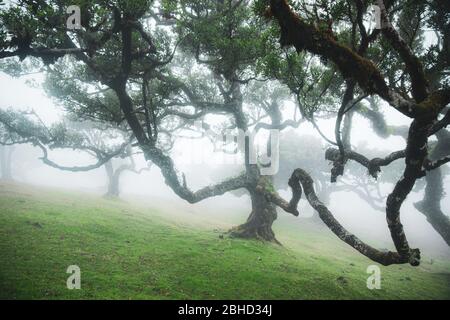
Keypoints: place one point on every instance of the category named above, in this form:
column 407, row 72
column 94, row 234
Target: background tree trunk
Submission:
column 113, row 186
column 430, row 206
column 5, row 162
column 113, row 180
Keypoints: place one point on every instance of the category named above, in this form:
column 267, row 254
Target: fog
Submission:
column 356, row 215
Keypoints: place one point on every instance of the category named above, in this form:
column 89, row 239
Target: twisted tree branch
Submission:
column 301, row 178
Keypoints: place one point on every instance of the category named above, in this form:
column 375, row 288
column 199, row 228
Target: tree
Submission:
column 5, row 162
column 100, row 136
column 25, row 127
column 423, row 105
column 144, row 92
column 201, row 58
column 114, row 173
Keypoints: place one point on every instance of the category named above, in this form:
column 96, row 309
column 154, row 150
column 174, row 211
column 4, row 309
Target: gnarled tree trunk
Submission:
column 113, row 179
column 264, row 212
column 262, row 216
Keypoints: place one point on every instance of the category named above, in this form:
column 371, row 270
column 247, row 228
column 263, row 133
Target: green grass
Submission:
column 127, row 251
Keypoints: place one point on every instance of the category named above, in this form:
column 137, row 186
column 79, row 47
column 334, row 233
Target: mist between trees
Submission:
column 137, row 79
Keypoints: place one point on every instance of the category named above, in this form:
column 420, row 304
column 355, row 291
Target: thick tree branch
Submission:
column 373, row 165
column 301, row 179
column 416, row 155
column 413, row 65
column 166, row 165
column 44, row 53
column 304, row 36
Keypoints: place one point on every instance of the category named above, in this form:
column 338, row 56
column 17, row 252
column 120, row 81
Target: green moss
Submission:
column 269, row 186
column 435, row 102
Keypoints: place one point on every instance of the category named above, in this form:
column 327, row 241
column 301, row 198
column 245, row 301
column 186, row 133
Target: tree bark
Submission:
column 301, row 178
column 264, row 212
column 416, row 154
column 259, row 223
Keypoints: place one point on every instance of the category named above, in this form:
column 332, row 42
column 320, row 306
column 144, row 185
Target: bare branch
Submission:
column 301, row 179
column 372, row 165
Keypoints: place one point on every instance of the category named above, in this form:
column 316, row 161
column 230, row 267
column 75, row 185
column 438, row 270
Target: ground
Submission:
column 126, row 251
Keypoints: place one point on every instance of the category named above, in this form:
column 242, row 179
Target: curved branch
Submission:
column 416, row 155
column 431, row 165
column 372, row 165
column 281, row 126
column 289, row 207
column 166, row 165
column 101, row 160
column 441, row 124
column 301, row 178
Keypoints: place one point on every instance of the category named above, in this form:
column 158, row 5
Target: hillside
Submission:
column 126, row 251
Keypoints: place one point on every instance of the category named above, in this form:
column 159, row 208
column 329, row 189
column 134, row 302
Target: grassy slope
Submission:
column 126, row 251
